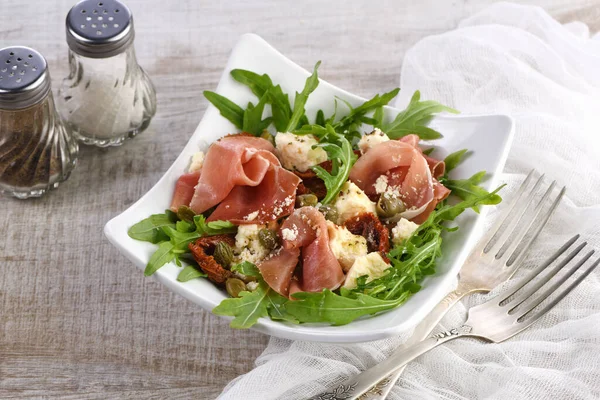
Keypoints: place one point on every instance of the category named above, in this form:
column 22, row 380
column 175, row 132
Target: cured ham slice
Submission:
column 278, row 269
column 437, row 167
column 184, row 190
column 304, row 235
column 242, row 175
column 229, row 162
column 407, row 171
column 270, row 200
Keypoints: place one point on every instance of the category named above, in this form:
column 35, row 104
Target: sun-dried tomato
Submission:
column 311, row 183
column 370, row 227
column 202, row 250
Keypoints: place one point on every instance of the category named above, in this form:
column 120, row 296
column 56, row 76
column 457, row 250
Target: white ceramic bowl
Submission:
column 487, row 136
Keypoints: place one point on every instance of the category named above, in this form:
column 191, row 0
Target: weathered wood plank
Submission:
column 77, row 320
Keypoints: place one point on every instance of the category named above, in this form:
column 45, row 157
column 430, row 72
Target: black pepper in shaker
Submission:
column 37, row 151
column 107, row 97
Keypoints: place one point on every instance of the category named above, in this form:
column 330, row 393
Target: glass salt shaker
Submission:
column 107, row 97
column 37, row 151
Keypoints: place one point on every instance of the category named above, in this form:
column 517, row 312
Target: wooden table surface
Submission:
column 77, row 320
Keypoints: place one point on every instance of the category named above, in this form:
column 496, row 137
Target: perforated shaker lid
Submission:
column 24, row 77
column 99, row 28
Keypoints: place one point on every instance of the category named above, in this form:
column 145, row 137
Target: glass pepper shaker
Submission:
column 107, row 97
column 37, row 151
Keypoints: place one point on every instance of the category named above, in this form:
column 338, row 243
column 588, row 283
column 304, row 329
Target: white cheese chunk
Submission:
column 296, row 152
column 345, row 246
column 371, row 265
column 402, row 231
column 248, row 246
column 197, row 162
column 381, row 184
column 371, row 140
column 290, row 233
column 352, row 201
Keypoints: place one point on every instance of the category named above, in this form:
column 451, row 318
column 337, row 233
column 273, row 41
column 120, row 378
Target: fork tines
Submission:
column 524, row 217
column 520, row 302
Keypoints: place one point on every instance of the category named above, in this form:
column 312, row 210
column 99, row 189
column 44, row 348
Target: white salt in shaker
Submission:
column 107, row 97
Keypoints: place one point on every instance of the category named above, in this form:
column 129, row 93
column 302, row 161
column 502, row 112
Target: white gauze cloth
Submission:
column 514, row 60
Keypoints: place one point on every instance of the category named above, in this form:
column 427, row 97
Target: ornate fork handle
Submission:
column 381, row 390
column 354, row 387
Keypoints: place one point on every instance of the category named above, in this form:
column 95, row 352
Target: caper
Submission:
column 234, row 286
column 185, row 213
column 388, row 206
column 223, row 254
column 268, row 238
column 330, row 213
column 267, row 135
column 305, row 200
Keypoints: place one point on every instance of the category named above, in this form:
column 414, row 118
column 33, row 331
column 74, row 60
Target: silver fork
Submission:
column 496, row 320
column 494, row 260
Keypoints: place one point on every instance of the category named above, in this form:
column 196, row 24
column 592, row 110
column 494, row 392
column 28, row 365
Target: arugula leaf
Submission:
column 320, row 118
column 252, row 121
column 316, row 130
column 148, row 230
column 214, row 227
column 247, row 308
column 373, row 104
column 184, row 227
column 351, row 124
column 162, row 256
column 468, row 190
column 261, row 86
column 258, row 84
column 378, row 116
column 180, row 240
column 277, row 310
column 342, row 158
column 414, row 118
column 228, row 109
column 247, row 268
column 454, row 159
column 190, row 272
column 311, row 84
column 251, row 306
column 428, row 151
column 327, row 306
column 280, row 108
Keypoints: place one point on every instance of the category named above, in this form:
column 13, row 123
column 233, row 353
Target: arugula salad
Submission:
column 313, row 218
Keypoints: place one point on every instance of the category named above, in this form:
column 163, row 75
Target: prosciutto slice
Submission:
column 271, row 199
column 232, row 161
column 242, row 175
column 407, row 170
column 304, row 235
column 184, row 190
column 437, row 167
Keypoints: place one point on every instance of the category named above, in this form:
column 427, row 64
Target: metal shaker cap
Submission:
column 99, row 28
column 24, row 77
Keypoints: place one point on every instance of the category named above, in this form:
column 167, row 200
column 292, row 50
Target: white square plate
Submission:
column 487, row 136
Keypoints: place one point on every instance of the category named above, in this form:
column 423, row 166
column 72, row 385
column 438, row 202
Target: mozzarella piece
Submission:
column 371, row 265
column 371, row 140
column 352, row 201
column 197, row 162
column 248, row 246
column 402, row 231
column 345, row 246
column 296, row 152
